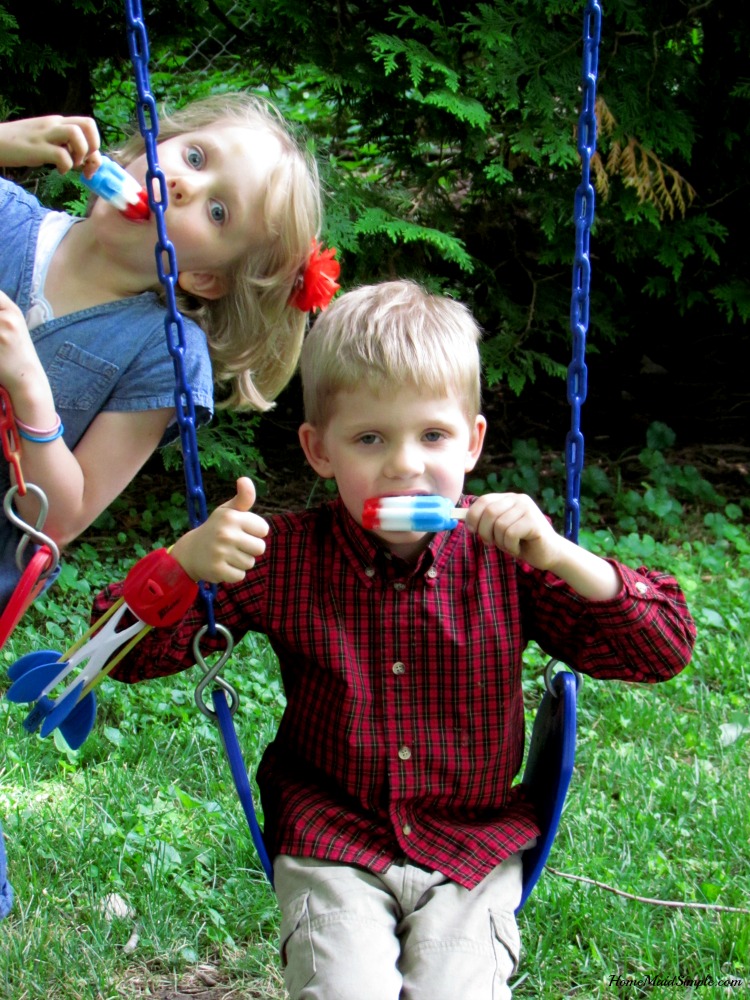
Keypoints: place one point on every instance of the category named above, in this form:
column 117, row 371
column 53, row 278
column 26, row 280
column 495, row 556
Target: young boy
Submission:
column 395, row 832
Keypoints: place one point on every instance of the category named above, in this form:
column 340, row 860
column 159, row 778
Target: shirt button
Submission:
column 369, row 571
column 432, row 572
column 398, row 667
column 406, row 830
column 642, row 588
column 404, row 753
column 399, row 586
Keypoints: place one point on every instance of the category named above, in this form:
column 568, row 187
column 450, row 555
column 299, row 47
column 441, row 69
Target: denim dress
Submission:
column 111, row 357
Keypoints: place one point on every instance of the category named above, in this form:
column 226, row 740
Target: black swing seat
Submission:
column 549, row 766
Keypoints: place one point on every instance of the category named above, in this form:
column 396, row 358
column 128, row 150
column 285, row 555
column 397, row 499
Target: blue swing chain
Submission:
column 175, row 332
column 552, row 750
column 583, row 217
column 168, row 276
column 583, row 212
column 222, row 711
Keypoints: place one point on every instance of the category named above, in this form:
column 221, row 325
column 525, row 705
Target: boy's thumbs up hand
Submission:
column 226, row 546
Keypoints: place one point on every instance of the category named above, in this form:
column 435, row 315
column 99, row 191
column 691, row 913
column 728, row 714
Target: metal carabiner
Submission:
column 211, row 674
column 32, row 533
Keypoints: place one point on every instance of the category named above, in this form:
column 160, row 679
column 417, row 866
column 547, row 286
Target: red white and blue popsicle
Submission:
column 117, row 186
column 411, row 513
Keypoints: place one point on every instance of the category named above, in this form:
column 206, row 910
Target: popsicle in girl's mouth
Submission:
column 120, row 188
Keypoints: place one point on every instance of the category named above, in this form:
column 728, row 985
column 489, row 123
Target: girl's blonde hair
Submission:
column 254, row 335
column 386, row 336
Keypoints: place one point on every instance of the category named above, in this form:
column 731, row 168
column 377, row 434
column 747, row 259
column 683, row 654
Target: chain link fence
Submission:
column 219, row 50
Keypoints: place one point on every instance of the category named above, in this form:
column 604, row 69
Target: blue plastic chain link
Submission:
column 168, row 276
column 579, row 303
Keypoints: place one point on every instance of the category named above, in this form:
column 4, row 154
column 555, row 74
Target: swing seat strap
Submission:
column 239, row 773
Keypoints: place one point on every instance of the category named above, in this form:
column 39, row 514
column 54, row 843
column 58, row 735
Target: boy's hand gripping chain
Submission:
column 157, row 591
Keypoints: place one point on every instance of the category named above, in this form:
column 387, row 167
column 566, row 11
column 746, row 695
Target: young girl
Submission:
column 83, row 352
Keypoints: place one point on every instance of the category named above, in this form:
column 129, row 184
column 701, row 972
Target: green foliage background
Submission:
column 446, row 136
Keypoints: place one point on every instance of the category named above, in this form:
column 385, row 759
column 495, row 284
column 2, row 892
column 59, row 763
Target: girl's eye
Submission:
column 368, row 439
column 217, row 212
column 194, row 157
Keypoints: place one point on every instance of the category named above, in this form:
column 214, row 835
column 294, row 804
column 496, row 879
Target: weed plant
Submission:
column 133, row 866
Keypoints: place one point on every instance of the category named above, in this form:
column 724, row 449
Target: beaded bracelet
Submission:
column 38, row 439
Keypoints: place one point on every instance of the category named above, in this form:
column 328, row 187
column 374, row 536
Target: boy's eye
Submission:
column 368, row 438
column 217, row 211
column 194, row 157
column 432, row 436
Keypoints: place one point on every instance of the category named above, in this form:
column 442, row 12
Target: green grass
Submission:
column 147, row 810
column 658, row 807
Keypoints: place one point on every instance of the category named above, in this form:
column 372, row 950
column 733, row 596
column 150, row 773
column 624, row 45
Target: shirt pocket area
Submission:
column 80, row 380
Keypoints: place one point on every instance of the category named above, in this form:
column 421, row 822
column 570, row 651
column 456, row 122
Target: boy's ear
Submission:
column 476, row 441
column 313, row 445
column 203, row 284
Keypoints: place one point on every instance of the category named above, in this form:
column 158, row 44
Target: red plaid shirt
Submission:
column 404, row 725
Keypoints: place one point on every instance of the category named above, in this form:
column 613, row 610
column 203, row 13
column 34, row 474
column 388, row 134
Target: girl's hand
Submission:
column 63, row 142
column 514, row 524
column 226, row 546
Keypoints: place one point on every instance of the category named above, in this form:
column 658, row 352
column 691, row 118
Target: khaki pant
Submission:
column 408, row 934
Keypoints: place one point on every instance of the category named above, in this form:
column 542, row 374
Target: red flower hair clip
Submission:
column 316, row 285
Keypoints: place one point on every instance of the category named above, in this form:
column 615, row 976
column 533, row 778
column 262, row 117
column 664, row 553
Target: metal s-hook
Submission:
column 30, row 533
column 211, row 674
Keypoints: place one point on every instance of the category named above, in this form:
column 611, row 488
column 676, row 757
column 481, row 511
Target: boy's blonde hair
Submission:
column 254, row 335
column 389, row 335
